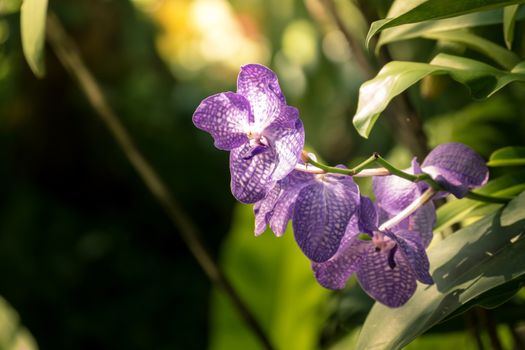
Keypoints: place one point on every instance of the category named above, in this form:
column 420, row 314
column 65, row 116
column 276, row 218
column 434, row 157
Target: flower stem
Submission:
column 389, row 169
column 410, row 177
column 361, row 167
column 409, row 210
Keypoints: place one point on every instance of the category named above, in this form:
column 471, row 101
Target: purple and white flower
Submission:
column 320, row 206
column 456, row 167
column 388, row 264
column 264, row 135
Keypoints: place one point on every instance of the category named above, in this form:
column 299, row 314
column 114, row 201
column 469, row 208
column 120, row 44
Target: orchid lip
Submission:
column 381, row 242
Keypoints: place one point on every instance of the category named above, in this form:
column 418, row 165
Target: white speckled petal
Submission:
column 410, row 246
column 260, row 87
column 334, row 273
column 286, row 136
column 390, row 286
column 225, row 116
column 321, row 215
column 251, row 178
column 456, row 167
column 263, row 209
column 422, row 222
column 283, row 209
column 393, row 193
column 367, row 215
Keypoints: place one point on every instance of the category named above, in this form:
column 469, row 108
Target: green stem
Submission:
column 376, row 158
column 336, row 170
column 410, row 177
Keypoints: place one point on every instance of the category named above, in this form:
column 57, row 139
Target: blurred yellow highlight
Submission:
column 196, row 34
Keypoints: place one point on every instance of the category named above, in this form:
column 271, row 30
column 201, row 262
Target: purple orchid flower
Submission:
column 393, row 259
column 320, row 207
column 264, row 134
column 456, row 167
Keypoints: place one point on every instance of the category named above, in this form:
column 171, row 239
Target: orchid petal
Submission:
column 422, row 222
column 225, row 116
column 410, row 246
column 263, row 209
column 390, row 286
column 322, row 212
column 367, row 216
column 251, row 178
column 334, row 273
column 286, row 136
column 260, row 87
column 456, row 167
column 394, row 193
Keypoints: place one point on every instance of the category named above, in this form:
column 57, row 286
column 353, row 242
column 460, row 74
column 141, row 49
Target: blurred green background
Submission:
column 88, row 258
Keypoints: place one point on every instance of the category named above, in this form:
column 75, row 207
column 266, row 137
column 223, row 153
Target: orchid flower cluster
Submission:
column 341, row 231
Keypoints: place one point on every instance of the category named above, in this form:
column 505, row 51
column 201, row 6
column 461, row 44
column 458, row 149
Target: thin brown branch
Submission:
column 68, row 54
column 402, row 116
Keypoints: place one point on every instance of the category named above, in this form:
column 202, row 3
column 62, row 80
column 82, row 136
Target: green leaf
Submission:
column 507, row 156
column 437, row 9
column 465, row 265
column 275, row 280
column 32, row 27
column 375, row 94
column 509, row 20
column 409, row 31
column 505, row 58
column 395, row 77
column 456, row 211
column 492, row 298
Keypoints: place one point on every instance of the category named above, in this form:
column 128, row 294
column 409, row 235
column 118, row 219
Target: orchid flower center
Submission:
column 382, row 242
column 385, row 245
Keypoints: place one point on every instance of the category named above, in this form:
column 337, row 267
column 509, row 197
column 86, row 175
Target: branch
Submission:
column 68, row 54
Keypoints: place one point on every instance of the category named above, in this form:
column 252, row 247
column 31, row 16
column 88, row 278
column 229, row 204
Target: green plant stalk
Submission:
column 392, row 170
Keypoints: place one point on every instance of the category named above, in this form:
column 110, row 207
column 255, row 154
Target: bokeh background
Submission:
column 89, row 260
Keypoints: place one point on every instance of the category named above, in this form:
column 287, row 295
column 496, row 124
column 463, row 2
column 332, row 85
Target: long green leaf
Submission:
column 509, row 20
column 482, row 79
column 276, row 281
column 32, row 26
column 465, row 265
column 456, row 211
column 415, row 30
column 438, row 9
column 508, row 156
column 505, row 58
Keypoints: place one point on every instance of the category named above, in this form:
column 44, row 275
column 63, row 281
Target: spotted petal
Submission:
column 422, row 222
column 225, row 116
column 283, row 209
column 367, row 216
column 251, row 178
column 390, row 286
column 456, row 167
column 263, row 209
column 412, row 249
column 286, row 136
column 394, row 193
column 334, row 273
column 260, row 87
column 322, row 212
